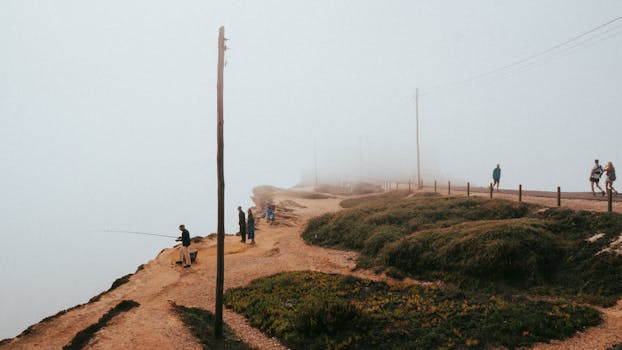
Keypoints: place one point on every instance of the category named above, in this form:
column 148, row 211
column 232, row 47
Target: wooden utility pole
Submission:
column 315, row 159
column 220, row 260
column 419, row 182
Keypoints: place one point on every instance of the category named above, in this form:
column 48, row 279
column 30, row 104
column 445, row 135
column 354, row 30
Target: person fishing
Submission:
column 242, row 223
column 184, row 254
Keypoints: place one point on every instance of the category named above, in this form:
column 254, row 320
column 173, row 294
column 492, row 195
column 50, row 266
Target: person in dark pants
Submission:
column 496, row 176
column 251, row 226
column 595, row 175
column 242, row 223
column 184, row 255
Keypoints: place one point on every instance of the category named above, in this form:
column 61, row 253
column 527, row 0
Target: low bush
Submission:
column 311, row 310
column 83, row 337
column 201, row 325
column 514, row 251
column 479, row 243
column 351, row 228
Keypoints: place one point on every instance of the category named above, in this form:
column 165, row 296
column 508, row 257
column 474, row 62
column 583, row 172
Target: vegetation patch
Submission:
column 392, row 216
column 116, row 284
column 481, row 243
column 201, row 324
column 83, row 337
column 312, row 310
column 357, row 188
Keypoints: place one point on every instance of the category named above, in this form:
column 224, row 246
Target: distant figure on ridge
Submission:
column 242, row 223
column 184, row 255
column 595, row 174
column 496, row 176
column 271, row 209
column 610, row 177
column 250, row 225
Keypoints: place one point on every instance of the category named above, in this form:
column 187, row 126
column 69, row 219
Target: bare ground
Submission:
column 154, row 325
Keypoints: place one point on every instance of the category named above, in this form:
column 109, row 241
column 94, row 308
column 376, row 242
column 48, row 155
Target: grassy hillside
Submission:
column 311, row 310
column 479, row 242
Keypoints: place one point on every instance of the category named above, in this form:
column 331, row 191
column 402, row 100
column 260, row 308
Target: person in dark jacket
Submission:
column 250, row 225
column 242, row 223
column 184, row 255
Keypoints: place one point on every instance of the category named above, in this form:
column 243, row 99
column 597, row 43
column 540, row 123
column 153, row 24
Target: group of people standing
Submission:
column 609, row 172
column 247, row 225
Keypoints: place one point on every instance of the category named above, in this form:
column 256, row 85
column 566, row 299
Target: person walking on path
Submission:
column 496, row 176
column 184, row 255
column 610, row 173
column 595, row 174
column 242, row 223
column 250, row 225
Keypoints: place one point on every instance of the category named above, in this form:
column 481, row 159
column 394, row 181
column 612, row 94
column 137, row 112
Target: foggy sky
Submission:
column 107, row 115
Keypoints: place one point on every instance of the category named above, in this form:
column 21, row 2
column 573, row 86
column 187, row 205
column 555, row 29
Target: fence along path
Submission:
column 570, row 200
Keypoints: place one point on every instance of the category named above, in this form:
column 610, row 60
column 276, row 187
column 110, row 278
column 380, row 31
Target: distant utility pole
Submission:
column 360, row 159
column 419, row 182
column 220, row 260
column 315, row 158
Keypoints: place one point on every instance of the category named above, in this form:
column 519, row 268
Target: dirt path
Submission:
column 154, row 325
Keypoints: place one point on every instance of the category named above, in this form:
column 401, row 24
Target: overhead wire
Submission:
column 529, row 59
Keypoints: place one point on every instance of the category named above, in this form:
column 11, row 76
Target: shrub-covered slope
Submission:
column 311, row 310
column 480, row 241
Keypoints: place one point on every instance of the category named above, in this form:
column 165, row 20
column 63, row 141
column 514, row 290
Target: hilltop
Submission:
column 160, row 285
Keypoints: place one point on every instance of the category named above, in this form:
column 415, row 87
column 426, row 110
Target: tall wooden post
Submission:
column 520, row 193
column 434, row 186
column 559, row 196
column 491, row 190
column 449, row 188
column 220, row 252
column 468, row 189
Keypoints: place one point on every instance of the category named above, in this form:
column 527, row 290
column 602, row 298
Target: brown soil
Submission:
column 154, row 325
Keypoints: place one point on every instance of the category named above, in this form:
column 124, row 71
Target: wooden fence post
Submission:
column 434, row 186
column 520, row 193
column 449, row 188
column 609, row 200
column 559, row 196
column 468, row 189
column 491, row 191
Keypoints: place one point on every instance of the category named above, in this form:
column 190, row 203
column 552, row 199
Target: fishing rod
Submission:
column 137, row 233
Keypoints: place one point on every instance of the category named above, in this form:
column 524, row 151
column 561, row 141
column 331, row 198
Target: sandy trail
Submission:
column 154, row 325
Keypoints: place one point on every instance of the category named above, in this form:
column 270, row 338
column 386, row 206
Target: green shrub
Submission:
column 381, row 236
column 479, row 243
column 516, row 250
column 311, row 310
column 201, row 324
column 83, row 337
column 351, row 228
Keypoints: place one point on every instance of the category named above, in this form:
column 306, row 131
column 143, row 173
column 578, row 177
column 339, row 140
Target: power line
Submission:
column 535, row 55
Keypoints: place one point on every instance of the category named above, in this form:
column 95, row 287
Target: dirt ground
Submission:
column 154, row 325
